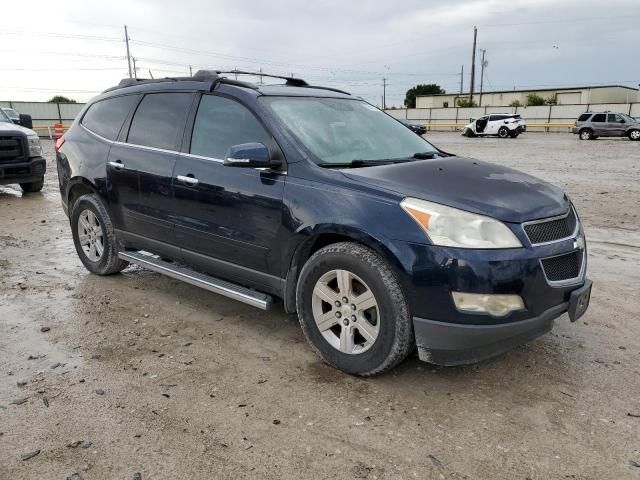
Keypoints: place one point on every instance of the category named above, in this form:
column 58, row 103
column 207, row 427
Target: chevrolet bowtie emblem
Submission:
column 579, row 243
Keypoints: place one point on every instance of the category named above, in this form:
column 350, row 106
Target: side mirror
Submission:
column 25, row 120
column 249, row 155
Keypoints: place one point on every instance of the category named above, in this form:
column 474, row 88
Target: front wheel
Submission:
column 634, row 135
column 32, row 187
column 503, row 132
column 94, row 237
column 353, row 311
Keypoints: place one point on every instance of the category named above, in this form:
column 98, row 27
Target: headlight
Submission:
column 35, row 149
column 451, row 227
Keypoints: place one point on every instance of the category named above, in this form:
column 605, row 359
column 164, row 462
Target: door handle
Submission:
column 188, row 179
column 117, row 164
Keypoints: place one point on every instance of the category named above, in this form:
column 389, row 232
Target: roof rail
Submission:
column 291, row 81
column 215, row 76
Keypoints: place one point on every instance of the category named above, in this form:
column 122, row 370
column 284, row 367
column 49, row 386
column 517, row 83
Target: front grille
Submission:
column 551, row 230
column 11, row 149
column 563, row 267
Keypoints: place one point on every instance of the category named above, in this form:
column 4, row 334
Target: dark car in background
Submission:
column 414, row 127
column 591, row 125
column 377, row 239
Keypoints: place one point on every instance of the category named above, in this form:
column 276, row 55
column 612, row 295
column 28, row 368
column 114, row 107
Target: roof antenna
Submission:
column 150, row 74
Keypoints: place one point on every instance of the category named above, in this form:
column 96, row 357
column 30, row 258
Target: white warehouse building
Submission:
column 563, row 96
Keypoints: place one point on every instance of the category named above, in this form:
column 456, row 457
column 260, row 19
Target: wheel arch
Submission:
column 77, row 187
column 322, row 237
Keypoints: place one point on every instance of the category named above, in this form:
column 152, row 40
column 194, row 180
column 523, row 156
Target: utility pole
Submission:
column 482, row 65
column 261, row 82
column 384, row 93
column 473, row 65
column 126, row 40
column 135, row 69
column 461, row 78
column 190, row 71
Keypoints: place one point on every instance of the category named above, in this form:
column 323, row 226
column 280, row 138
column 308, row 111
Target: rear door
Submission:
column 599, row 123
column 228, row 218
column 141, row 166
column 495, row 122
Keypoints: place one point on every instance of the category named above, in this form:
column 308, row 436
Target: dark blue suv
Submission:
column 377, row 239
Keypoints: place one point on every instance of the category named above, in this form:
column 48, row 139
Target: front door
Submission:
column 615, row 125
column 228, row 218
column 141, row 167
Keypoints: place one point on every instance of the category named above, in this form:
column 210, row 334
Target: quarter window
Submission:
column 107, row 116
column 159, row 120
column 600, row 117
column 222, row 123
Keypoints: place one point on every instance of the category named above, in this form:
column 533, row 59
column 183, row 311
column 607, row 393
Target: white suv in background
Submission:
column 503, row 125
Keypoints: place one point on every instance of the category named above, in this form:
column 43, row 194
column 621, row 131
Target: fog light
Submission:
column 496, row 305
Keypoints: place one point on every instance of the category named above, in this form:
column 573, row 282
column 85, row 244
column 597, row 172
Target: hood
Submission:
column 6, row 127
column 472, row 185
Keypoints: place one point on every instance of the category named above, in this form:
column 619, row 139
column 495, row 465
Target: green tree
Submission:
column 515, row 103
column 466, row 103
column 534, row 100
column 61, row 99
column 552, row 100
column 422, row 89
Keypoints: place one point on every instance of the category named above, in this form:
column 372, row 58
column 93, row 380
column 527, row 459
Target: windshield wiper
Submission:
column 356, row 163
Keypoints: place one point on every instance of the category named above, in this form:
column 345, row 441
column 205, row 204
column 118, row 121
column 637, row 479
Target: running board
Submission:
column 215, row 285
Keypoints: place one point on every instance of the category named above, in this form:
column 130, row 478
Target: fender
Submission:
column 322, row 235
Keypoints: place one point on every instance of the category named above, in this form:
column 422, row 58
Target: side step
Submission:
column 215, row 285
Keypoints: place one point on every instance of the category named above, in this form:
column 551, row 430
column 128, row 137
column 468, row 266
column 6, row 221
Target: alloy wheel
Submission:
column 90, row 235
column 346, row 312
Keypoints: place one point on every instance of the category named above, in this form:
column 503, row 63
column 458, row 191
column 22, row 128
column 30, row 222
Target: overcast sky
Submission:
column 77, row 49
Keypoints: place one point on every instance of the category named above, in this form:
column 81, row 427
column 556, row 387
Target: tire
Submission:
column 513, row 134
column 389, row 319
column 32, row 187
column 503, row 132
column 586, row 134
column 102, row 258
column 468, row 133
column 634, row 135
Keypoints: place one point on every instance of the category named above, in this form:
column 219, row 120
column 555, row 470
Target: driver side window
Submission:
column 222, row 123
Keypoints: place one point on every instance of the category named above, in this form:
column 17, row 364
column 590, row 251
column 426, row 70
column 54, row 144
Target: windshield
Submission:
column 627, row 118
column 3, row 117
column 11, row 113
column 338, row 131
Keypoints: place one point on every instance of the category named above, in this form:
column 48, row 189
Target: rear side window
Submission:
column 159, row 120
column 107, row 116
column 600, row 117
column 222, row 123
column 584, row 117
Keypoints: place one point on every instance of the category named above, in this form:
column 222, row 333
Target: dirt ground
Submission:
column 138, row 373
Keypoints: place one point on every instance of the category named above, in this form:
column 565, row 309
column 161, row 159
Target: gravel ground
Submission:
column 140, row 374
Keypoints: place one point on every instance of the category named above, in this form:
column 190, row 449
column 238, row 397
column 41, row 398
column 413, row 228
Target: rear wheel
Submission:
column 353, row 311
column 634, row 135
column 503, row 132
column 94, row 237
column 586, row 134
column 32, row 187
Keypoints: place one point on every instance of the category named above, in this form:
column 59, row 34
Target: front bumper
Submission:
column 446, row 335
column 23, row 171
column 446, row 344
